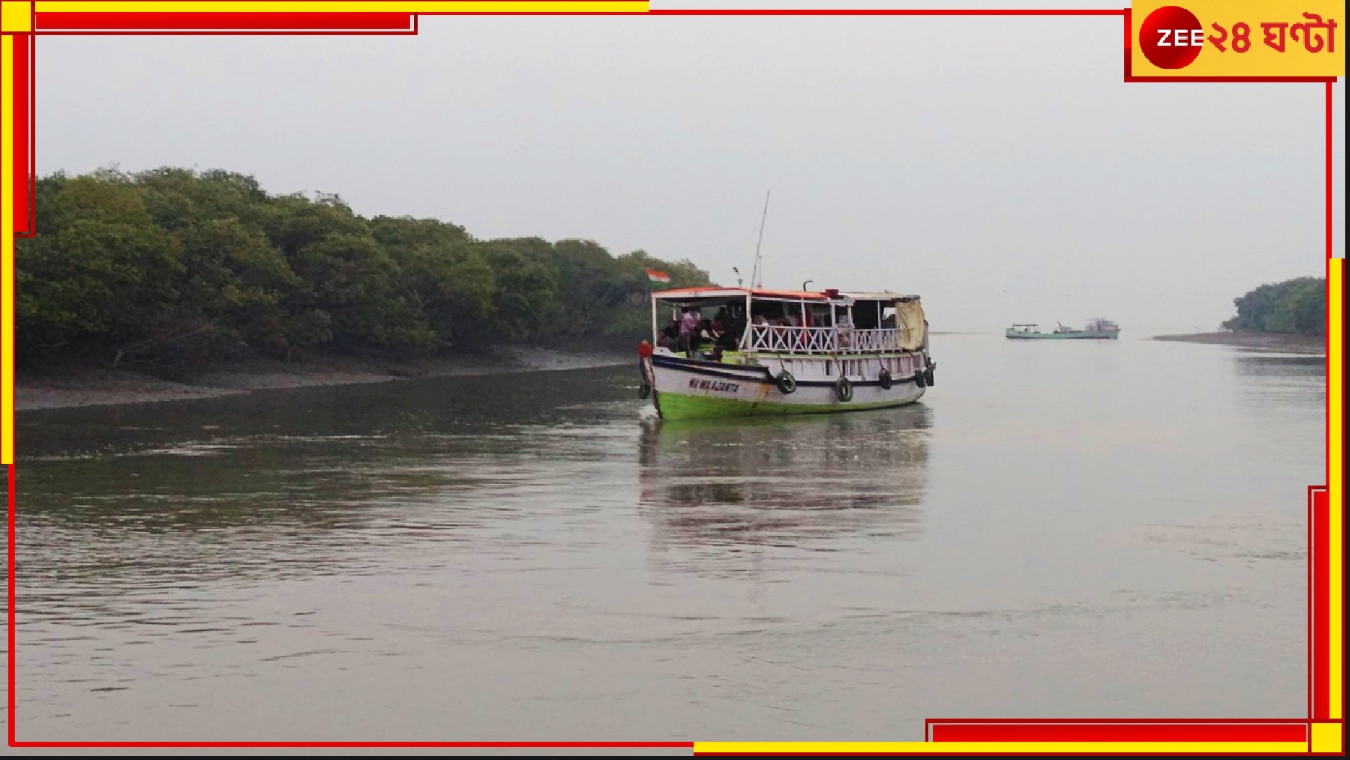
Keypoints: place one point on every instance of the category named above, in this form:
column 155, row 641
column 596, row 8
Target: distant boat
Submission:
column 1097, row 329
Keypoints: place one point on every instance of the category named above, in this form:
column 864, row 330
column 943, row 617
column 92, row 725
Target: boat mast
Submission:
column 756, row 276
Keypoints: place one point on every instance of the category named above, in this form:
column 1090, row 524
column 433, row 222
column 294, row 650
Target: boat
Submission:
column 760, row 351
column 1097, row 329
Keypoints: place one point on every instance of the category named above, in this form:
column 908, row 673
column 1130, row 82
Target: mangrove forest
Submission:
column 174, row 267
column 1295, row 307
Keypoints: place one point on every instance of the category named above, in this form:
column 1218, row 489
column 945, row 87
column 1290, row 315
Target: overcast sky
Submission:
column 997, row 166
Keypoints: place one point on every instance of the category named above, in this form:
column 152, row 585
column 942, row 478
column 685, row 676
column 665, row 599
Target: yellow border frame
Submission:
column 15, row 17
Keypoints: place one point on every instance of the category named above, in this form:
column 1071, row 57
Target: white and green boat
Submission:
column 760, row 351
column 1097, row 329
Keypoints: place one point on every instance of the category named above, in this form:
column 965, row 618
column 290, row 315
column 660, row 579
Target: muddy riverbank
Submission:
column 56, row 388
column 1299, row 344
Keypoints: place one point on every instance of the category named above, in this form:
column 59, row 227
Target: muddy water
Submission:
column 1056, row 530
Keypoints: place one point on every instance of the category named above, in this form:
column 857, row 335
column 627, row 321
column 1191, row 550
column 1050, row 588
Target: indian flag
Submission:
column 657, row 276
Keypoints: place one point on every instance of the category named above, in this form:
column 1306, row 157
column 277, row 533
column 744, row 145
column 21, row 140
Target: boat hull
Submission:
column 685, row 389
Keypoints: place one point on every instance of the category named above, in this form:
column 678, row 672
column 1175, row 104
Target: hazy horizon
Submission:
column 947, row 156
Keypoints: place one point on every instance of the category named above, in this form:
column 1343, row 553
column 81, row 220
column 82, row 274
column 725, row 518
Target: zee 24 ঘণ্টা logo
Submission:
column 1284, row 38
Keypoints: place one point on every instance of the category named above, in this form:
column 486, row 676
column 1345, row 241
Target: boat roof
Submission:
column 709, row 293
column 879, row 295
column 690, row 294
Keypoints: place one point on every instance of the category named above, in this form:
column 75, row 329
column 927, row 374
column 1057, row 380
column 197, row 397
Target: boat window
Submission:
column 866, row 315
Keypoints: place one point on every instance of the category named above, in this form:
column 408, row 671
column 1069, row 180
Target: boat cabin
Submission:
column 728, row 324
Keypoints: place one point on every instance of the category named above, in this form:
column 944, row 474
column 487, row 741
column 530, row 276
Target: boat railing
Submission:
column 819, row 340
column 789, row 339
column 882, row 339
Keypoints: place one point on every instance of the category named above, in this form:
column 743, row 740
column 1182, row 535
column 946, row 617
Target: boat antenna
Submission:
column 757, row 276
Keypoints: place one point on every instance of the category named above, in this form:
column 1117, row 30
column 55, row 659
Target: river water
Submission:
column 1058, row 529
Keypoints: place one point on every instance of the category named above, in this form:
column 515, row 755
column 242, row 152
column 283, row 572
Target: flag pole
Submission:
column 756, row 276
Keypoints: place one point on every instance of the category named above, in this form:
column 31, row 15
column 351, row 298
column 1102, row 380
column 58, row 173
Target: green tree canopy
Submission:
column 175, row 265
column 1297, row 306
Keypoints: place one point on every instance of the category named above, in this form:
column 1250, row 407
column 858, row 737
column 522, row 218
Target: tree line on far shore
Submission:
column 1297, row 307
column 174, row 267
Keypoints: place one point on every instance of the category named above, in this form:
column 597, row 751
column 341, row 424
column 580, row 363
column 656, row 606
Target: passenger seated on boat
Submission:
column 732, row 327
column 726, row 334
column 717, row 332
column 669, row 337
column 720, row 321
column 706, row 339
column 716, row 340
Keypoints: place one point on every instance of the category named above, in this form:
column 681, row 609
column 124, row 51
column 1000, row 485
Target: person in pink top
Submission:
column 688, row 331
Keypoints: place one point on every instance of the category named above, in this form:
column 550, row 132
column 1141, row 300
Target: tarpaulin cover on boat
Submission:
column 909, row 319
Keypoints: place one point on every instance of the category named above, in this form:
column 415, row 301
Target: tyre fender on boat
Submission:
column 843, row 390
column 884, row 379
column 786, row 382
column 919, row 379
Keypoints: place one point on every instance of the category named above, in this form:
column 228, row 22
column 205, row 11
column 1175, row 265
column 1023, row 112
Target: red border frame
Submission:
column 25, row 127
column 174, row 22
column 1076, row 730
column 1319, row 603
column 1116, row 731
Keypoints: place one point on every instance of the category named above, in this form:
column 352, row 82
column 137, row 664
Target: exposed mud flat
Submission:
column 1298, row 344
column 56, row 389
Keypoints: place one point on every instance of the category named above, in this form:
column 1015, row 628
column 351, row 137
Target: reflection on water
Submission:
column 1266, row 365
column 1281, row 385
column 364, row 420
column 135, row 503
column 797, row 481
